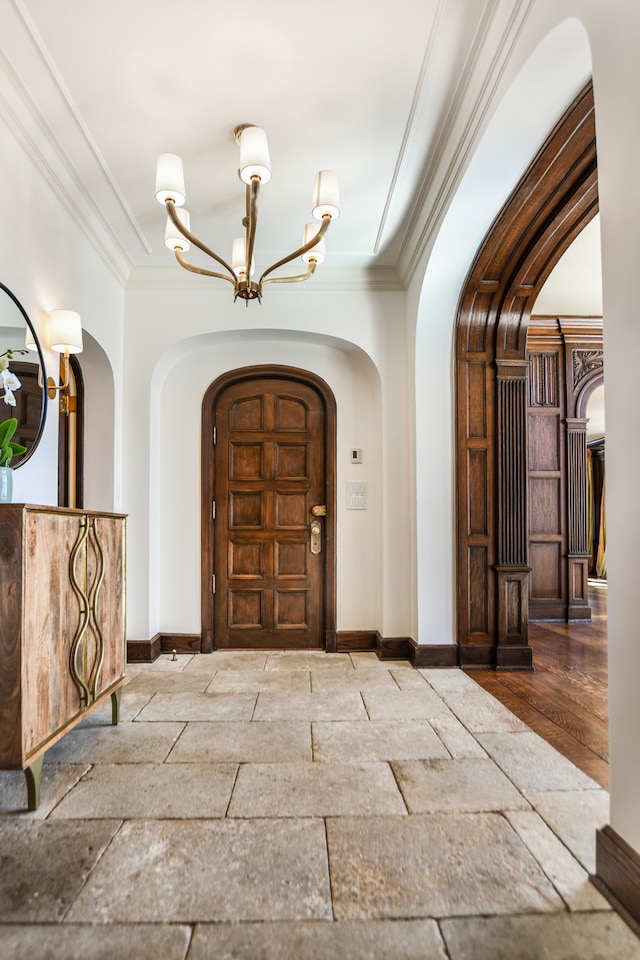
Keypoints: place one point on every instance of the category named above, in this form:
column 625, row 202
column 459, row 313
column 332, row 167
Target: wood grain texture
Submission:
column 617, row 875
column 555, row 199
column 44, row 614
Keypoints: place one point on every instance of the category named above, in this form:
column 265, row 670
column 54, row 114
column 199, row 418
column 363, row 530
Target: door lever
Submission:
column 316, row 541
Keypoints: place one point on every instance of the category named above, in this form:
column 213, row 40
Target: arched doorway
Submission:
column 268, row 510
column 552, row 203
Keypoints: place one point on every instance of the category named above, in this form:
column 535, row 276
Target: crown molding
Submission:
column 329, row 280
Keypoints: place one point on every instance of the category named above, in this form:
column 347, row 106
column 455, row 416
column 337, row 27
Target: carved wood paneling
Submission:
column 552, row 203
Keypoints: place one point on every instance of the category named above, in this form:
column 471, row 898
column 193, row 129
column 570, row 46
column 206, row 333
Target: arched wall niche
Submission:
column 552, row 203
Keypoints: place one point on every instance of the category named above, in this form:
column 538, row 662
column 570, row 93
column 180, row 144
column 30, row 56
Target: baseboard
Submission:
column 146, row 651
column 434, row 654
column 143, row 651
column 356, row 641
column 617, row 875
column 393, row 648
column 477, row 656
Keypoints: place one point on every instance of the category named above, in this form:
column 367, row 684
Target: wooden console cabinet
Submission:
column 62, row 615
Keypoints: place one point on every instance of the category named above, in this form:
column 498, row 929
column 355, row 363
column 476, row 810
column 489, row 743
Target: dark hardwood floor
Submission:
column 565, row 698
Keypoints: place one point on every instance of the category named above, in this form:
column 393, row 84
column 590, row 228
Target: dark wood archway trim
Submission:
column 208, row 485
column 553, row 202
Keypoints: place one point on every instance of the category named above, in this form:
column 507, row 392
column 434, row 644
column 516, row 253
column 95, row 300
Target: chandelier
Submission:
column 255, row 170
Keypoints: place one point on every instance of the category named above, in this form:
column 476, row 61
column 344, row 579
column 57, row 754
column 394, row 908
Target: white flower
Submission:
column 9, row 382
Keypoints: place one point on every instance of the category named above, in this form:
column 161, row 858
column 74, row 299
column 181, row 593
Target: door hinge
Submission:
column 213, row 509
column 215, row 435
column 213, row 583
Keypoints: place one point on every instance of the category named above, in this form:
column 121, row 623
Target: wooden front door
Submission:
column 270, row 526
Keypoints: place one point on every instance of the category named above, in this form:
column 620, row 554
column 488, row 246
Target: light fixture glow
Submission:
column 254, row 171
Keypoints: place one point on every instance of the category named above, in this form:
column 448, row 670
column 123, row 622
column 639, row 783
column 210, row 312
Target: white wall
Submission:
column 48, row 262
column 177, row 344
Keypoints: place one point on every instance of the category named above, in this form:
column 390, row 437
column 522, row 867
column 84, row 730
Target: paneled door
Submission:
column 270, row 514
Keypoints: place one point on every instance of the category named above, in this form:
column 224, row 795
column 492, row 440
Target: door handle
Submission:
column 316, row 540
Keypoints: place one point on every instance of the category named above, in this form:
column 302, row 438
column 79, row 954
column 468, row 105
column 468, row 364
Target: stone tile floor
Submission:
column 304, row 805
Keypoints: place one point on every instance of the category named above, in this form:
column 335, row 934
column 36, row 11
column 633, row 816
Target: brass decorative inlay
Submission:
column 77, row 647
column 87, row 679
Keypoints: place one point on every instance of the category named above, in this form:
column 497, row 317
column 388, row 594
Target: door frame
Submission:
column 551, row 205
column 208, row 485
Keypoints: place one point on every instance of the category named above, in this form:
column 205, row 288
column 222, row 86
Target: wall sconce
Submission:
column 60, row 331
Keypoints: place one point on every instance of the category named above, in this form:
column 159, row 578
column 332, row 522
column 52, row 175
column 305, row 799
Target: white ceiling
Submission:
column 367, row 88
column 391, row 95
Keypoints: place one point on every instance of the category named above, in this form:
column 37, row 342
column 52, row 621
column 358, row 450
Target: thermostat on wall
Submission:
column 355, row 455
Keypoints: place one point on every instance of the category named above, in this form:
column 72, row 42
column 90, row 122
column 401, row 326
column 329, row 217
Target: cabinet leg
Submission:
column 33, row 774
column 116, row 697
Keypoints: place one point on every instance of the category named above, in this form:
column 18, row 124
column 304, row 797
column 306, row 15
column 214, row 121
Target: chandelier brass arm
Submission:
column 191, row 237
column 255, row 171
column 305, row 248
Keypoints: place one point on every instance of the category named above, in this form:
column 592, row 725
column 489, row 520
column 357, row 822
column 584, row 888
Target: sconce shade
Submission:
column 326, row 198
column 254, row 155
column 316, row 253
column 239, row 256
column 29, row 342
column 172, row 236
column 65, row 331
column 170, row 179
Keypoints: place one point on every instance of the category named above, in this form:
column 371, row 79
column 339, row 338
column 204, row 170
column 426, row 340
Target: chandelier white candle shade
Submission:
column 172, row 236
column 65, row 331
column 317, row 252
column 170, row 179
column 326, row 199
column 254, row 154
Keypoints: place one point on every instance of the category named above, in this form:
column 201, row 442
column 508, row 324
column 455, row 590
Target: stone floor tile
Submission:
column 457, row 738
column 189, row 707
column 257, row 681
column 412, row 704
column 324, row 681
column 179, row 871
column 431, row 786
column 243, row 742
column 377, row 740
column 57, row 779
column 480, row 712
column 45, row 864
column 307, row 660
column 447, row 679
column 532, row 763
column 408, row 679
column 164, row 682
column 131, row 703
column 126, row 743
column 227, row 660
column 362, row 658
column 138, row 790
column 443, row 865
column 317, row 940
column 574, row 816
column 78, row 942
column 346, row 704
column 591, row 936
column 166, row 662
column 569, row 878
column 315, row 790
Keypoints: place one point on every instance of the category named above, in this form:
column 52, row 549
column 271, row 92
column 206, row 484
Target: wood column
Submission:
column 578, row 553
column 513, row 651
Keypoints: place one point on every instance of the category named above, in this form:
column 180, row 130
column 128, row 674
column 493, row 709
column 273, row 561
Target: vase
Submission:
column 6, row 484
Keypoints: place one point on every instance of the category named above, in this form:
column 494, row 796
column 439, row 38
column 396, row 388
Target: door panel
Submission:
column 269, row 473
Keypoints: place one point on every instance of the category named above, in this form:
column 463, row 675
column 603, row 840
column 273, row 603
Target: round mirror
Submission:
column 22, row 391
